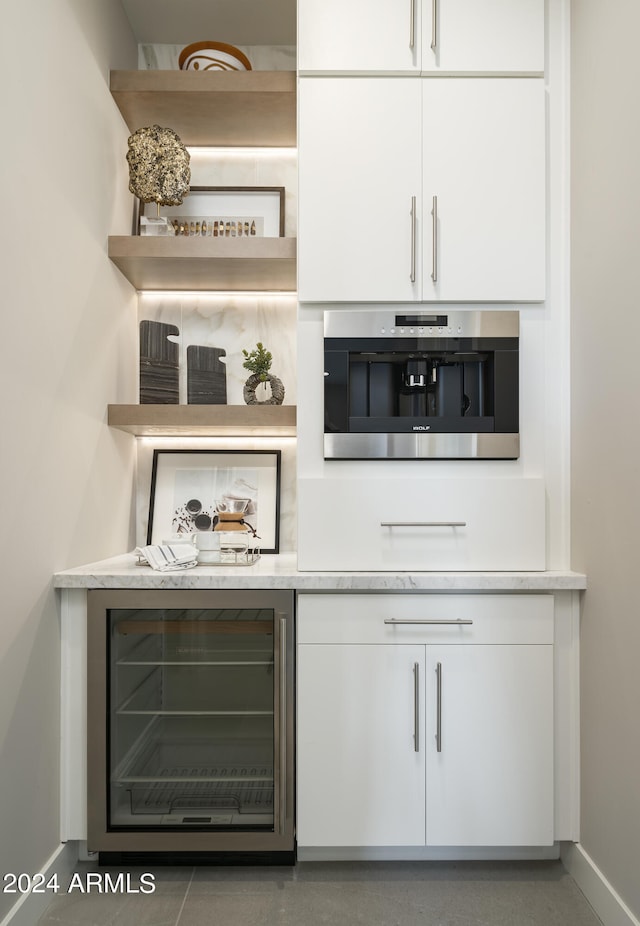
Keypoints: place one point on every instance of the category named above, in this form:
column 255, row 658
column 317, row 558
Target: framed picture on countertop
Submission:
column 190, row 487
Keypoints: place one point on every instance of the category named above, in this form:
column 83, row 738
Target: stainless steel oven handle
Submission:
column 423, row 523
column 456, row 623
column 283, row 726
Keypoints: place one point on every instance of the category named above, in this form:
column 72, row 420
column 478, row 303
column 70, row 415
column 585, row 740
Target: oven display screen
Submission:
column 439, row 320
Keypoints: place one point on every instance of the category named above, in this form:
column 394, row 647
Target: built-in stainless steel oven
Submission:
column 421, row 384
column 190, row 722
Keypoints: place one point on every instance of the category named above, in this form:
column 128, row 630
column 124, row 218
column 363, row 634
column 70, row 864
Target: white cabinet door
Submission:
column 360, row 778
column 484, row 167
column 429, row 35
column 358, row 35
column 483, row 35
column 491, row 783
column 370, row 148
column 358, row 169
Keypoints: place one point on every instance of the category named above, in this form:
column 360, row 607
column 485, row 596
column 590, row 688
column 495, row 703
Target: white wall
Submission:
column 605, row 336
column 69, row 348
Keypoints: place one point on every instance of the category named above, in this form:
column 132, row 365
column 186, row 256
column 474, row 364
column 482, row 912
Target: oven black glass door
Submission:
column 191, row 732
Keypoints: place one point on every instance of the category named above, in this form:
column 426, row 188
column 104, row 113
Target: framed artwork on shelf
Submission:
column 224, row 212
column 190, row 487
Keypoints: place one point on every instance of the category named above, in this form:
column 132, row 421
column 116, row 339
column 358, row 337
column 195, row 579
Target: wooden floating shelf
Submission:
column 226, row 108
column 180, row 263
column 204, row 420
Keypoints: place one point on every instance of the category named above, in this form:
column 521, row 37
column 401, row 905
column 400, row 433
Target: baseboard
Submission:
column 29, row 907
column 608, row 904
column 425, row 853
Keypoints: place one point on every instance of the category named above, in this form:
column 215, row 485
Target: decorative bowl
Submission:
column 213, row 56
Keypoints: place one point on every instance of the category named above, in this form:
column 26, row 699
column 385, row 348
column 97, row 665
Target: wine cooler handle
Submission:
column 416, row 706
column 439, row 707
column 283, row 726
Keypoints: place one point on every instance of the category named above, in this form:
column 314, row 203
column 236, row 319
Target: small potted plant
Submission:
column 259, row 362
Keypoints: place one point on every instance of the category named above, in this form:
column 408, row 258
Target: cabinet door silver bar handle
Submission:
column 283, row 725
column 434, row 253
column 423, row 523
column 416, row 707
column 439, row 707
column 456, row 623
column 412, row 275
column 412, row 24
column 434, row 24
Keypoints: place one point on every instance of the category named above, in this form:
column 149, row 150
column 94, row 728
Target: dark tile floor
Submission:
column 335, row 894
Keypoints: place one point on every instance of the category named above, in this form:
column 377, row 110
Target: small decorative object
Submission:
column 213, row 56
column 159, row 358
column 206, row 376
column 159, row 172
column 259, row 362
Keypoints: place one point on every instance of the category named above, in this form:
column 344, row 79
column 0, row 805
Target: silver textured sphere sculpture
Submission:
column 159, row 170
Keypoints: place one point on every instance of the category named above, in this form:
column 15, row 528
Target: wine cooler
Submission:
column 190, row 722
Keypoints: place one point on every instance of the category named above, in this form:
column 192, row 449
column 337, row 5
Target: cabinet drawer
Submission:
column 421, row 524
column 380, row 618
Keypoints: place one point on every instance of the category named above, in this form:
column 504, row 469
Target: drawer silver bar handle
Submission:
column 434, row 255
column 439, row 707
column 434, row 24
column 412, row 24
column 397, row 620
column 416, row 707
column 423, row 523
column 412, row 275
column 283, row 725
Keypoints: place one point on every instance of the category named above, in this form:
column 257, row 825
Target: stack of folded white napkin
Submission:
column 169, row 556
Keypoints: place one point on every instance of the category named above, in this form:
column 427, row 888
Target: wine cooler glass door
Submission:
column 192, row 722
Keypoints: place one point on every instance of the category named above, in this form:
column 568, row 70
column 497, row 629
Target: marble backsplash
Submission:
column 262, row 57
column 231, row 322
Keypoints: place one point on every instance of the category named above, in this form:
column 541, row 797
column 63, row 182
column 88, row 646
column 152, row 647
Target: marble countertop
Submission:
column 280, row 571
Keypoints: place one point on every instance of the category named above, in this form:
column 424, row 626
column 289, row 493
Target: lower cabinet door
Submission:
column 360, row 768
column 489, row 745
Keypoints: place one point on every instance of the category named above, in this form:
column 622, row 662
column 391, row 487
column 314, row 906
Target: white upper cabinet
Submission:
column 359, row 171
column 484, row 170
column 358, row 35
column 376, row 155
column 483, row 35
column 413, row 36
